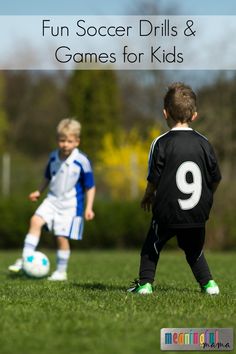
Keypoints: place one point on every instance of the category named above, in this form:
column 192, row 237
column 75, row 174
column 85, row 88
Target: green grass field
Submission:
column 92, row 313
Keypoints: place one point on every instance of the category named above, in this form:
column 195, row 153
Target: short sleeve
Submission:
column 89, row 180
column 213, row 166
column 87, row 176
column 47, row 172
column 155, row 163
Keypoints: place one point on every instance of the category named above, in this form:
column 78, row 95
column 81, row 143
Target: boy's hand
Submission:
column 89, row 214
column 34, row 196
column 146, row 203
column 148, row 197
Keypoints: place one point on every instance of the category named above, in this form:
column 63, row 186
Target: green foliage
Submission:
column 93, row 313
column 118, row 224
column 94, row 100
column 221, row 226
column 16, row 214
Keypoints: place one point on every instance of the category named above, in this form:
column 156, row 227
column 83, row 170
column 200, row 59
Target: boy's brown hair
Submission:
column 180, row 102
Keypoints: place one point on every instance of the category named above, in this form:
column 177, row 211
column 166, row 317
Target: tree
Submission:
column 3, row 115
column 94, row 99
column 217, row 115
column 35, row 104
column 142, row 98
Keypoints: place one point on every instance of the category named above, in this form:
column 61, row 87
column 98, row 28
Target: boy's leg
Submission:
column 72, row 227
column 33, row 235
column 156, row 239
column 63, row 255
column 30, row 243
column 192, row 242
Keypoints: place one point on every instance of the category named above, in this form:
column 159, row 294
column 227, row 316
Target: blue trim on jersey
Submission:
column 88, row 179
column 77, row 163
column 47, row 173
column 79, row 197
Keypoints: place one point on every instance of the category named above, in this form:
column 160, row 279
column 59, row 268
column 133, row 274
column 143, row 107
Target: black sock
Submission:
column 200, row 270
column 147, row 268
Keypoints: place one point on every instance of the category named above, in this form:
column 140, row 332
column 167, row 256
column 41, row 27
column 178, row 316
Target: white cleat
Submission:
column 211, row 288
column 213, row 291
column 17, row 266
column 58, row 276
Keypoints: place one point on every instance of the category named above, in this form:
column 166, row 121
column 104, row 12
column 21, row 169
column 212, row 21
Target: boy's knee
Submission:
column 192, row 257
column 63, row 243
column 36, row 221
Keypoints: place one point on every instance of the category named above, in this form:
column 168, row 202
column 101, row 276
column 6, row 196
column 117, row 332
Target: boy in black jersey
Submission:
column 183, row 174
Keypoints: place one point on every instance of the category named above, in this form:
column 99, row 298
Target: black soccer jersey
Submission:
column 183, row 168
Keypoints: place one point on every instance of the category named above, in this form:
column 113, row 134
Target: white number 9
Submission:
column 194, row 188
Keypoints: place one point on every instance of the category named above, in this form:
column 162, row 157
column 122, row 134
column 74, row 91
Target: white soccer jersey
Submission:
column 68, row 180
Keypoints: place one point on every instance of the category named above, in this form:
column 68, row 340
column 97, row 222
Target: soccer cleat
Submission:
column 58, row 276
column 17, row 266
column 144, row 289
column 211, row 288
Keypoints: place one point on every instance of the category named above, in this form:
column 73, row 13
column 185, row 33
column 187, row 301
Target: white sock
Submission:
column 62, row 260
column 30, row 244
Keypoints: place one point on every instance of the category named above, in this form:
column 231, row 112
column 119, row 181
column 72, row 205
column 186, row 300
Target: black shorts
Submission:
column 191, row 240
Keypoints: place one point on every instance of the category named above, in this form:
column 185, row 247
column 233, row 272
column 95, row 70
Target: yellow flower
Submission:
column 123, row 162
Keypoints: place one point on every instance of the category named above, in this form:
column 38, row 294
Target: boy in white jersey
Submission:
column 69, row 177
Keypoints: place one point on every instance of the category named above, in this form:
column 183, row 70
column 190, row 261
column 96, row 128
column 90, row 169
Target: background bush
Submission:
column 117, row 224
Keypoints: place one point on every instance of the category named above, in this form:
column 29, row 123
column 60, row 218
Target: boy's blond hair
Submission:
column 69, row 126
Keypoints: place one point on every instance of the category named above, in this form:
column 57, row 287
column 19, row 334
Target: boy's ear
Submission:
column 78, row 141
column 194, row 117
column 165, row 113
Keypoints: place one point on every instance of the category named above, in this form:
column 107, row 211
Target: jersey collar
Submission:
column 179, row 128
column 70, row 158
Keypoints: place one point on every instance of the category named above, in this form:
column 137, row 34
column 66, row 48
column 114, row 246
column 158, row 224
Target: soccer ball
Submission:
column 36, row 265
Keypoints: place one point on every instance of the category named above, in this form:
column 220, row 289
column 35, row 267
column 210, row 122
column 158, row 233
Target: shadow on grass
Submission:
column 22, row 277
column 86, row 286
column 171, row 288
column 110, row 287
column 98, row 286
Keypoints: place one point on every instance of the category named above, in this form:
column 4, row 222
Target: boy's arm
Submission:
column 148, row 197
column 90, row 195
column 34, row 196
column 215, row 186
column 215, row 170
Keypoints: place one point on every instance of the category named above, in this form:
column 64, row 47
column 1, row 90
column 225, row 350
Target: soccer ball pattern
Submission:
column 36, row 265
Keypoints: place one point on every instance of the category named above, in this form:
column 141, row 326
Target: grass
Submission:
column 92, row 313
